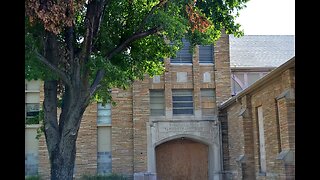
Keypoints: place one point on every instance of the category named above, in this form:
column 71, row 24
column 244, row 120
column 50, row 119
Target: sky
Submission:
column 268, row 17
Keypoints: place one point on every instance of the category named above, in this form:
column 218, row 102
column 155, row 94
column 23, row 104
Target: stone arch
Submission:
column 205, row 133
column 178, row 136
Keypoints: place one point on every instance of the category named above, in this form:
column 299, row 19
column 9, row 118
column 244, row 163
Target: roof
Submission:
column 260, row 50
column 259, row 83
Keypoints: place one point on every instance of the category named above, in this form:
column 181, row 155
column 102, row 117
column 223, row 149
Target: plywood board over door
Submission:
column 182, row 159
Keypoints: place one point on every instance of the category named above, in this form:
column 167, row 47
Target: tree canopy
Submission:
column 129, row 38
column 84, row 48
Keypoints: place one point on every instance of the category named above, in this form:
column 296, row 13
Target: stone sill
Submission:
column 183, row 118
column 104, row 125
column 31, row 91
column 32, row 126
column 206, row 64
column 181, row 64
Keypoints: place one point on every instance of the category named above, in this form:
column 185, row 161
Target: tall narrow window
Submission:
column 182, row 102
column 32, row 107
column 104, row 139
column 206, row 54
column 157, row 103
column 262, row 150
column 278, row 125
column 207, row 102
column 184, row 55
column 32, row 101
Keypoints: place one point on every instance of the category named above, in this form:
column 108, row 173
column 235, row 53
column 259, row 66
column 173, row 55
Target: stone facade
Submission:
column 242, row 142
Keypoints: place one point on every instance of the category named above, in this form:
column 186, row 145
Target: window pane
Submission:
column 104, row 119
column 206, row 54
column 182, row 102
column 157, row 112
column 183, row 55
column 32, row 112
column 33, row 85
column 252, row 77
column 32, row 97
column 240, row 76
column 182, row 111
column 104, row 113
column 156, row 106
column 33, row 107
column 179, row 105
column 236, row 88
column 182, row 98
column 156, row 102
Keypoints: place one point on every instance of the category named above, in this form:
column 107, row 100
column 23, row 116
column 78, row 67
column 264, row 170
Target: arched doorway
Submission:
column 182, row 159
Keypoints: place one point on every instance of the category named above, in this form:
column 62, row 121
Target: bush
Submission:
column 103, row 177
column 32, row 178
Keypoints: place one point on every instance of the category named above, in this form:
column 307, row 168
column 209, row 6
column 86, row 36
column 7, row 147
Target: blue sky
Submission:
column 268, row 17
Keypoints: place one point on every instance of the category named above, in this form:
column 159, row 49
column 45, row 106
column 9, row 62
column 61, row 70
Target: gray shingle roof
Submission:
column 261, row 50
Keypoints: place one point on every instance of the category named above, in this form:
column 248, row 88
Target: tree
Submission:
column 81, row 49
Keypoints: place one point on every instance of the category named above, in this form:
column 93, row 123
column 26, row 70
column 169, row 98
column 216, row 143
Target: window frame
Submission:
column 152, row 95
column 183, row 56
column 205, row 56
column 182, row 101
column 32, row 97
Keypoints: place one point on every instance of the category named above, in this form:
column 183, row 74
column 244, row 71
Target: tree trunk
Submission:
column 62, row 155
column 61, row 137
column 63, row 158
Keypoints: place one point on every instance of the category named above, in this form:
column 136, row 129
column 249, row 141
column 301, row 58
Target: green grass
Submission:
column 103, row 177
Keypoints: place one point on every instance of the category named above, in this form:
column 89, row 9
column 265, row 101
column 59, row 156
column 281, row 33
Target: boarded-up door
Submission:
column 182, row 159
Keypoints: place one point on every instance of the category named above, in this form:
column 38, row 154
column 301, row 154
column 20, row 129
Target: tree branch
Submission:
column 92, row 23
column 50, row 116
column 95, row 85
column 144, row 21
column 129, row 40
column 54, row 68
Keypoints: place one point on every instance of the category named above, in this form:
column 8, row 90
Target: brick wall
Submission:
column 240, row 128
column 140, row 118
column 222, row 68
column 122, row 132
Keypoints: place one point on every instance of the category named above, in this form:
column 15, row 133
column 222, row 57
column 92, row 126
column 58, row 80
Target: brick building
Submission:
column 167, row 125
column 258, row 128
